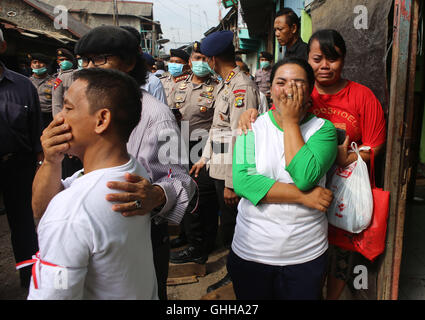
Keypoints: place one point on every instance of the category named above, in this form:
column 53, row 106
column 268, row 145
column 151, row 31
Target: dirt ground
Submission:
column 10, row 286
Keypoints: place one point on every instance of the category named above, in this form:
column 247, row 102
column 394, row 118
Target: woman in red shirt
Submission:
column 351, row 107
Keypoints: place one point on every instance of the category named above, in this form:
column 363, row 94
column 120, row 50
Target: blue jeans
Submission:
column 256, row 281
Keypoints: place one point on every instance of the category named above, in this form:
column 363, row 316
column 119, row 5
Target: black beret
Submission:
column 106, row 40
column 150, row 61
column 180, row 54
column 217, row 43
column 133, row 31
column 266, row 55
column 39, row 56
column 62, row 52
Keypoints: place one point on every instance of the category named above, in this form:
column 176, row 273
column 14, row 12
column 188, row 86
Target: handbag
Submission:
column 371, row 241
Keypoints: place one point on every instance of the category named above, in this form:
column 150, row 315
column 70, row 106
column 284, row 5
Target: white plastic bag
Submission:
column 352, row 206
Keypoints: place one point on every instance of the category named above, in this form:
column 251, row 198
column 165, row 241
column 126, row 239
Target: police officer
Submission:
column 193, row 99
column 44, row 84
column 235, row 94
column 262, row 76
column 178, row 70
column 67, row 64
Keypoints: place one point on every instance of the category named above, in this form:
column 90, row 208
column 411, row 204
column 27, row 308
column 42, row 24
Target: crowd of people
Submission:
column 84, row 154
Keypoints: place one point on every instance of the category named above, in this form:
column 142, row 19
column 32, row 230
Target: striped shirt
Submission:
column 147, row 147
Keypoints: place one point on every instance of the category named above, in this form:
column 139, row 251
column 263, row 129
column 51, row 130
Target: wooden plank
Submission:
column 187, row 269
column 182, row 280
column 395, row 172
column 223, row 293
column 407, row 147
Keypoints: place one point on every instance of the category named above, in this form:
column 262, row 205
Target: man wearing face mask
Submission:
column 64, row 79
column 235, row 94
column 262, row 76
column 44, row 84
column 178, row 69
column 193, row 102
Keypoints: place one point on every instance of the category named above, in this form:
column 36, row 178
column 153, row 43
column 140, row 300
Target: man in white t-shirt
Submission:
column 88, row 251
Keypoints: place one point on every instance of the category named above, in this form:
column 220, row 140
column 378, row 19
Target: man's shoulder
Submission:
column 241, row 80
column 154, row 109
column 17, row 77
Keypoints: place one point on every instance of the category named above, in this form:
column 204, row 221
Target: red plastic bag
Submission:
column 371, row 241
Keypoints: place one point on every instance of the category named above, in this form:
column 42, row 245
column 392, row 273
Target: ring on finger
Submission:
column 289, row 96
column 138, row 204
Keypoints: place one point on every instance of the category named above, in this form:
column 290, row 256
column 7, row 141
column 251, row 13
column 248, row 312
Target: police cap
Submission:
column 62, row 52
column 266, row 55
column 107, row 40
column 196, row 47
column 180, row 54
column 217, row 43
column 39, row 56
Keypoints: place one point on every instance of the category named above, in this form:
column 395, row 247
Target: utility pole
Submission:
column 115, row 14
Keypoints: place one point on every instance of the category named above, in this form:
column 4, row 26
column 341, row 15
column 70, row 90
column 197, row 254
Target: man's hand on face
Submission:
column 135, row 189
column 55, row 140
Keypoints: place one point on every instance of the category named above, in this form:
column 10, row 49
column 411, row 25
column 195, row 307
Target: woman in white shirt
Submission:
column 280, row 242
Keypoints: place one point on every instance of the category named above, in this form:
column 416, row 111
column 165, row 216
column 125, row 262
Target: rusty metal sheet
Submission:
column 365, row 62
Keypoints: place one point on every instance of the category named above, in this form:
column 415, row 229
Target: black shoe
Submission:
column 190, row 254
column 177, row 242
column 226, row 280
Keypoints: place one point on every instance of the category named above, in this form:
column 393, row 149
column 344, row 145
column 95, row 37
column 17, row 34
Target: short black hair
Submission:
column 300, row 62
column 329, row 39
column 291, row 18
column 116, row 91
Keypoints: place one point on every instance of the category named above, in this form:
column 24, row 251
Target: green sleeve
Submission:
column 315, row 158
column 247, row 183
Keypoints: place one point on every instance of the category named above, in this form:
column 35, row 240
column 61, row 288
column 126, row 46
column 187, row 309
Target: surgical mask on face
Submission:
column 80, row 64
column 66, row 65
column 200, row 68
column 39, row 71
column 175, row 69
column 264, row 64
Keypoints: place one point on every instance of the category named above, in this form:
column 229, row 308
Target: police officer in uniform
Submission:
column 235, row 94
column 44, row 84
column 262, row 75
column 63, row 81
column 193, row 99
column 178, row 70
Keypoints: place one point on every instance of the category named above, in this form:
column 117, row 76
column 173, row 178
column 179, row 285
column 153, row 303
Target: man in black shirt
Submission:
column 287, row 29
column 20, row 152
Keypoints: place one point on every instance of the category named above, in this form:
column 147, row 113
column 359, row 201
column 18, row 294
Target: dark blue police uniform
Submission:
column 20, row 131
